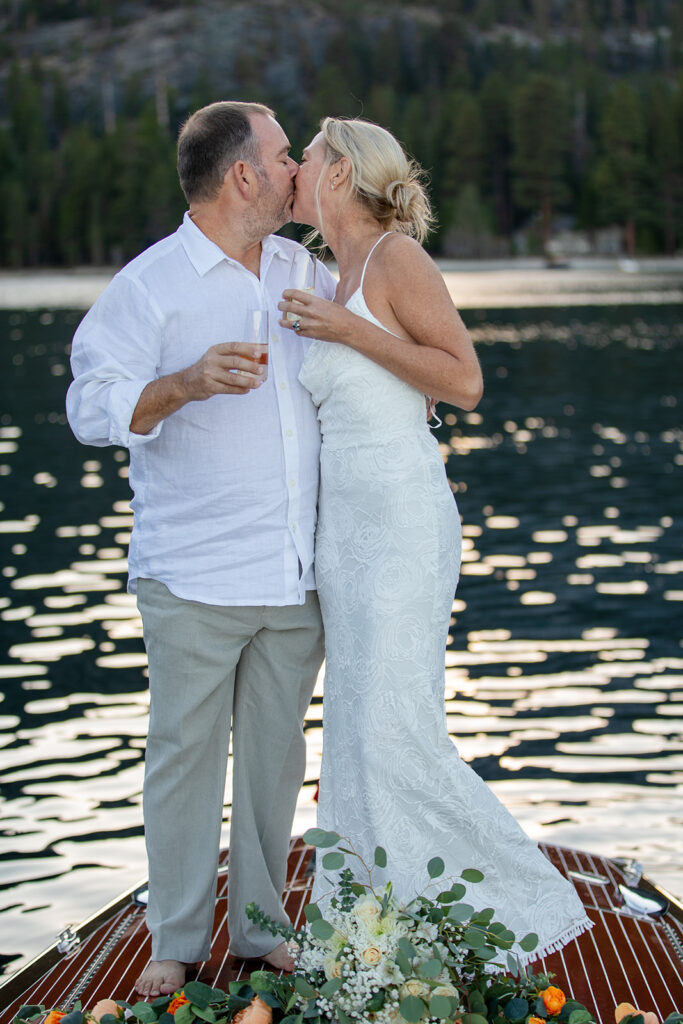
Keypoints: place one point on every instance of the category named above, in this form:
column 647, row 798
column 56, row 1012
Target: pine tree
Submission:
column 541, row 132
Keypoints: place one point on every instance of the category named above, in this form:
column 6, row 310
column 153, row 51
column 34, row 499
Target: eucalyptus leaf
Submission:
column 303, row 987
column 184, row 1014
column 458, row 890
column 270, row 999
column 377, row 1001
column 403, row 963
column 76, row 1017
column 293, row 1018
column 204, row 1013
column 529, row 942
column 460, row 912
column 581, row 1016
column 436, row 867
column 406, row 946
column 412, row 1009
column 473, row 1018
column 430, row 968
column 513, row 965
column 516, row 1009
column 485, row 916
column 198, row 993
column 333, row 861
column 342, row 1017
column 474, row 938
column 380, row 857
column 320, row 838
column 322, row 930
column 311, row 912
column 331, row 986
column 440, row 1006
column 477, row 1002
column 143, row 1012
column 472, row 875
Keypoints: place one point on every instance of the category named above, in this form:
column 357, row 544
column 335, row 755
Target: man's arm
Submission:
column 117, row 396
column 223, row 370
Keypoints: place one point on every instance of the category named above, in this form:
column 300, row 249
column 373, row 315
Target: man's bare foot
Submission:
column 161, row 978
column 280, row 958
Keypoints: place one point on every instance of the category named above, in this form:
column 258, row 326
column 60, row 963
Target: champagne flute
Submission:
column 256, row 333
column 302, row 272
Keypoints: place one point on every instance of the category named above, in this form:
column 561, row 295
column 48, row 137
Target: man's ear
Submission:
column 243, row 176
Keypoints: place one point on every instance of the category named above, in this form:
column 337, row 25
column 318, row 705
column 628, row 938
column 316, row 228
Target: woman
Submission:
column 388, row 541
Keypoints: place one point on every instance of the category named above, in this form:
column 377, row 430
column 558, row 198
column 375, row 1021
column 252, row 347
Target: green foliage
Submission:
column 578, row 123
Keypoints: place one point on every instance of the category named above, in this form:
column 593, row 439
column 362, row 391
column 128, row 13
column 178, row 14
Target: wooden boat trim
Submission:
column 31, row 972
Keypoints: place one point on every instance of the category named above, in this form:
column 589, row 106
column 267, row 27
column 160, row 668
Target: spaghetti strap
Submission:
column 365, row 266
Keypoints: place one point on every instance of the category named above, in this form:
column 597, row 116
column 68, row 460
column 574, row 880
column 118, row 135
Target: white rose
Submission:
column 367, row 909
column 414, row 987
column 445, row 989
column 371, row 955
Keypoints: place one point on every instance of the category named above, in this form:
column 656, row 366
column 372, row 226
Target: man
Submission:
column 224, row 469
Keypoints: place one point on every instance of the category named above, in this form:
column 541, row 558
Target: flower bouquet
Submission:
column 369, row 958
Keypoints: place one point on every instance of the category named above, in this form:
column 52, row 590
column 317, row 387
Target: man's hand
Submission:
column 226, row 369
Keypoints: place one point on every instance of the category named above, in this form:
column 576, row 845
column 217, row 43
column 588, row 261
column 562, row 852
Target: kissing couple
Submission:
column 239, row 477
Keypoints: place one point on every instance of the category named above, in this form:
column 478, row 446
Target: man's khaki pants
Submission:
column 208, row 664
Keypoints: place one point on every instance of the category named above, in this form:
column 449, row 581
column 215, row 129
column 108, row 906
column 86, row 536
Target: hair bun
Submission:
column 405, row 198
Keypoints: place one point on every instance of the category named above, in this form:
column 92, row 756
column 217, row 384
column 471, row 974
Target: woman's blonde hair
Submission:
column 383, row 178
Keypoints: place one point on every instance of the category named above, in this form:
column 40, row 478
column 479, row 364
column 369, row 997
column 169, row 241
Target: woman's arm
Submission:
column 436, row 354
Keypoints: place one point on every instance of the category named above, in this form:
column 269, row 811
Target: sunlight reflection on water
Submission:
column 563, row 682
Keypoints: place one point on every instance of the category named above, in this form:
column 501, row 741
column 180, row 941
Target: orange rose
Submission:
column 105, row 1006
column 53, row 1016
column 257, row 1012
column 535, row 1020
column 178, row 1000
column 553, row 999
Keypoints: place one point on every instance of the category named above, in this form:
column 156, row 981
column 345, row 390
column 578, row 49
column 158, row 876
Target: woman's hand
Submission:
column 317, row 318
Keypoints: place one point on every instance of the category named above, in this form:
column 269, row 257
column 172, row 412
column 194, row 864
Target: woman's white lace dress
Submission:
column 387, row 563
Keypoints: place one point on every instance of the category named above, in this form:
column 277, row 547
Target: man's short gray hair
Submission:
column 211, row 140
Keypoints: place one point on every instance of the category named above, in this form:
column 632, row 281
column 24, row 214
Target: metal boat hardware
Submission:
column 643, row 903
column 68, row 941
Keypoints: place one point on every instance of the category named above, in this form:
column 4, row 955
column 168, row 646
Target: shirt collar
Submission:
column 204, row 254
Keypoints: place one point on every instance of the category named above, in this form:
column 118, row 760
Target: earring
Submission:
column 332, row 185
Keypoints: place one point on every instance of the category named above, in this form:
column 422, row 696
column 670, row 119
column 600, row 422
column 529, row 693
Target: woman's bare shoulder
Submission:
column 405, row 253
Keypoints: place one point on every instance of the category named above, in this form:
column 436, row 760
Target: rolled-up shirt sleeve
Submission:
column 114, row 356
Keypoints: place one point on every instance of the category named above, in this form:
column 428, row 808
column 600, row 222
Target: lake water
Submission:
column 565, row 670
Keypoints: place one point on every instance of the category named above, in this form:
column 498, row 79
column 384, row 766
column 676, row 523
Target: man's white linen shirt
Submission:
column 225, row 490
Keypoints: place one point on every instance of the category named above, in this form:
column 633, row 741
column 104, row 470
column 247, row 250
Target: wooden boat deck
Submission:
column 623, row 958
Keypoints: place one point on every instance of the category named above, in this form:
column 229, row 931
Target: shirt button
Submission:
column 292, row 481
column 289, row 433
column 293, row 527
column 283, row 385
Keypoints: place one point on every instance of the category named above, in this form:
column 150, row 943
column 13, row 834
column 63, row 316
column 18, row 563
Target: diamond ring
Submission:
column 296, row 326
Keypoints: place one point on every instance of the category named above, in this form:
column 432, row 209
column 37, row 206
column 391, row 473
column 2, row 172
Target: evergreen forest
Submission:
column 526, row 114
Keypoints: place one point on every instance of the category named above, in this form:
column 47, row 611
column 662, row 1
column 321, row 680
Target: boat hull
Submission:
column 623, row 958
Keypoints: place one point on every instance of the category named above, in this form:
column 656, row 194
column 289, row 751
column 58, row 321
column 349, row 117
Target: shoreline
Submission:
column 495, row 284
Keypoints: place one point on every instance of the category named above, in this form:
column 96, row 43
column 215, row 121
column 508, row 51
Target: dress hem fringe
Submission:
column 553, row 947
